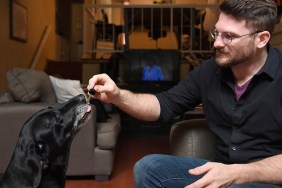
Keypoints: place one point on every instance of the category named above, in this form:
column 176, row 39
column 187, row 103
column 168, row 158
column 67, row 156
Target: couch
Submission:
column 92, row 150
column 192, row 138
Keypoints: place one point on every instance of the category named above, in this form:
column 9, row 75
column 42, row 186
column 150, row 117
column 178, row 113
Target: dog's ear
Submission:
column 35, row 163
column 31, row 162
column 42, row 148
column 37, row 171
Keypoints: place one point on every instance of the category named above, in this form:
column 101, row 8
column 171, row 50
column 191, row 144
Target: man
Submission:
column 241, row 93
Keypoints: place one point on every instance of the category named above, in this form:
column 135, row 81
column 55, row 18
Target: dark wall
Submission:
column 63, row 17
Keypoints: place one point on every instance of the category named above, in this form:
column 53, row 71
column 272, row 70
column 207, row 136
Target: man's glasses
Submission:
column 226, row 36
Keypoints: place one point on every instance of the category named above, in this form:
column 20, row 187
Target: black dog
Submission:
column 41, row 155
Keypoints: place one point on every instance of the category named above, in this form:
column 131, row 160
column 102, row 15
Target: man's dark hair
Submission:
column 260, row 15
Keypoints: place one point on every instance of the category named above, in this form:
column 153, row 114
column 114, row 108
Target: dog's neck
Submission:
column 56, row 169
column 34, row 173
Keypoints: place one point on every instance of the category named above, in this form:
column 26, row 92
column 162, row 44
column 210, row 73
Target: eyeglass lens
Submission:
column 226, row 37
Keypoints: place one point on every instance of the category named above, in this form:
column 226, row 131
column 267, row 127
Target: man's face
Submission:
column 239, row 50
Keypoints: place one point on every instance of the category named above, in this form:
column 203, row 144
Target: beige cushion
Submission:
column 27, row 85
column 65, row 89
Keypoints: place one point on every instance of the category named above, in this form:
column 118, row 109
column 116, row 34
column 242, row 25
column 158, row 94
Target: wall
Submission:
column 18, row 54
column 76, row 31
column 276, row 38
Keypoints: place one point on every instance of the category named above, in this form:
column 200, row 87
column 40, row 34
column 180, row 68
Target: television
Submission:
column 151, row 66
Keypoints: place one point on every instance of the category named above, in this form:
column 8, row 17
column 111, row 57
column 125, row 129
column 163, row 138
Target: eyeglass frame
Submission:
column 212, row 34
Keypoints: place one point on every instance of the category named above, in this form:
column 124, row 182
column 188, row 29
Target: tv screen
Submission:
column 151, row 66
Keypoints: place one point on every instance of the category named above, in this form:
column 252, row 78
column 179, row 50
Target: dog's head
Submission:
column 52, row 129
column 46, row 137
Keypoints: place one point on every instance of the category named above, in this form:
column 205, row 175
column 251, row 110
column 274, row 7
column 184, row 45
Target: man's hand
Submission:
column 267, row 170
column 216, row 175
column 142, row 106
column 105, row 88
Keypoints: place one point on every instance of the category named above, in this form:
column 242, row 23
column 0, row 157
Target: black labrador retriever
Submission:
column 40, row 158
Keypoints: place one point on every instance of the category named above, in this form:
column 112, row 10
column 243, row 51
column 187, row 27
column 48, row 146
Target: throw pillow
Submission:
column 22, row 85
column 27, row 85
column 102, row 115
column 65, row 89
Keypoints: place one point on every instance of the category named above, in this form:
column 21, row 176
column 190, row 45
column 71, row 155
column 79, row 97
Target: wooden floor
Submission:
column 130, row 148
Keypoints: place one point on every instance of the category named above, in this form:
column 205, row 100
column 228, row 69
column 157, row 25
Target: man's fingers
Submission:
column 204, row 181
column 99, row 79
column 100, row 88
column 104, row 86
column 200, row 170
column 92, row 82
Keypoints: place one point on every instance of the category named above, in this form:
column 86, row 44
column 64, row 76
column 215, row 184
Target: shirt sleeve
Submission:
column 186, row 95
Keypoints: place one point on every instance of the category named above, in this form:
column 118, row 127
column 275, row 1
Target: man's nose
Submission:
column 218, row 42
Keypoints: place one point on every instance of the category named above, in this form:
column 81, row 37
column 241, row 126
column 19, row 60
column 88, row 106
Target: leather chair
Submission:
column 192, row 138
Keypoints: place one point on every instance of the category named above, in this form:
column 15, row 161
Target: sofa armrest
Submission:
column 81, row 159
column 107, row 135
column 192, row 138
column 107, row 132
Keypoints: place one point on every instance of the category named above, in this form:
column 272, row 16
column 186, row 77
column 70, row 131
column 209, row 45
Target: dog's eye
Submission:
column 40, row 147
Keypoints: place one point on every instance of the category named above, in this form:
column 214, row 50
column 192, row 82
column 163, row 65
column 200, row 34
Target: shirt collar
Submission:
column 272, row 63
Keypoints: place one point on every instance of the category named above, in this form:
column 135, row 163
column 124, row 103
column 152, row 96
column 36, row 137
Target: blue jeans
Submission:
column 168, row 171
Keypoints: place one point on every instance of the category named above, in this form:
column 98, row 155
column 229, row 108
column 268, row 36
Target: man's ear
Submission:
column 263, row 39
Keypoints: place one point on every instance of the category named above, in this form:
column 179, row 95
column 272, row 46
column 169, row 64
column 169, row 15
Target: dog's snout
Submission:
column 82, row 97
column 79, row 99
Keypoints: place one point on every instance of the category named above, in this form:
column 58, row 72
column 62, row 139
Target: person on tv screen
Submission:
column 152, row 72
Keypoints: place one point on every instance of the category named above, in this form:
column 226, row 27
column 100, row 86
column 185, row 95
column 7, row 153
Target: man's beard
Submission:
column 239, row 56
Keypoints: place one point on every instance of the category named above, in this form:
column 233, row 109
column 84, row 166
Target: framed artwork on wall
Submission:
column 18, row 22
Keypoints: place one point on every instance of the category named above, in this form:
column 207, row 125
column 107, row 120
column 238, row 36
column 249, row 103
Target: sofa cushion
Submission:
column 65, row 89
column 27, row 85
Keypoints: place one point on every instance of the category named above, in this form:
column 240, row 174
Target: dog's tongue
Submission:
column 88, row 108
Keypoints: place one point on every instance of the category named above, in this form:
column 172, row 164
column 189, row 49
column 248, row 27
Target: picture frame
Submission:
column 18, row 22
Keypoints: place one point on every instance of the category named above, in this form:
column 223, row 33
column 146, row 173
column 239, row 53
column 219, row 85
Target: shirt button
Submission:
column 234, row 148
